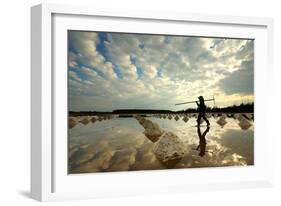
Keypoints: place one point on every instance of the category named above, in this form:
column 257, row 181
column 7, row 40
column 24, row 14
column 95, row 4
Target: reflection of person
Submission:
column 202, row 140
column 202, row 111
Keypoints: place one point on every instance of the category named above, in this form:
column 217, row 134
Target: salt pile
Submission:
column 223, row 115
column 93, row 119
column 222, row 121
column 185, row 119
column 249, row 116
column 71, row 122
column 244, row 123
column 208, row 115
column 100, row 118
column 147, row 123
column 144, row 122
column 237, row 116
column 152, row 130
column 170, row 147
column 85, row 121
column 215, row 115
column 176, row 118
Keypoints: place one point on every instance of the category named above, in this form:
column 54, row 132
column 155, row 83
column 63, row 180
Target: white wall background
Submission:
column 15, row 101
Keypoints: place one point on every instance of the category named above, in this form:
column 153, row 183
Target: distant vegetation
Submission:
column 242, row 108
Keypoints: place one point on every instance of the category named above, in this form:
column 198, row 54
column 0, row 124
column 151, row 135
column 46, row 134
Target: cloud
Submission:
column 110, row 71
column 240, row 81
column 83, row 46
column 74, row 76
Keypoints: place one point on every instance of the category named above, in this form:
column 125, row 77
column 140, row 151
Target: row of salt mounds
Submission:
column 152, row 130
column 222, row 120
column 86, row 120
column 169, row 148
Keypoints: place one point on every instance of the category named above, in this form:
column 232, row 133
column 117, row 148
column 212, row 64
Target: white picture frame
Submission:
column 49, row 180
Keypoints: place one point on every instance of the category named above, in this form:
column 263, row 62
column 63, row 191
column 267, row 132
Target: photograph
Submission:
column 139, row 101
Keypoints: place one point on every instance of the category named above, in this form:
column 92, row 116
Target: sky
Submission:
column 108, row 71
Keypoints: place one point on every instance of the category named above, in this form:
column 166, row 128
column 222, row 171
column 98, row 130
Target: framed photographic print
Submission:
column 137, row 102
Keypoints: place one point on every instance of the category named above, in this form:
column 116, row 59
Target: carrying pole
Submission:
column 196, row 101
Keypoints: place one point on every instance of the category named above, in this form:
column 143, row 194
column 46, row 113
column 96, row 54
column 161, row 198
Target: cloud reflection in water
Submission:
column 120, row 145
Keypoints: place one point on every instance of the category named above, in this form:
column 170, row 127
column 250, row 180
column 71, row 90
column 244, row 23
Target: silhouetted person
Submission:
column 202, row 111
column 202, row 140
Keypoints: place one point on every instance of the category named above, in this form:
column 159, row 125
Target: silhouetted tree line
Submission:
column 140, row 111
column 242, row 108
column 87, row 113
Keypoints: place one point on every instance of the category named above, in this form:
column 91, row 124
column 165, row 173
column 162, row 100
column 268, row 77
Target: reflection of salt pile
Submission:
column 93, row 119
column 222, row 121
column 71, row 122
column 85, row 121
column 101, row 162
column 100, row 118
column 244, row 123
column 170, row 117
column 169, row 147
column 176, row 118
column 123, row 159
column 185, row 119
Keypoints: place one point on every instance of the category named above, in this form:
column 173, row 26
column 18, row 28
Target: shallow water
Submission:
column 119, row 144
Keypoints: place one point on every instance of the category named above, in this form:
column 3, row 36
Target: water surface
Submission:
column 119, row 144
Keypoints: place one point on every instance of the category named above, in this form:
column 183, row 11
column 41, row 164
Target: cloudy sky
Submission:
column 110, row 71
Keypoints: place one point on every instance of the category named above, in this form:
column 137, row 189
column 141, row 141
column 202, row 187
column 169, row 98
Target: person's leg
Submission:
column 205, row 118
column 199, row 119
